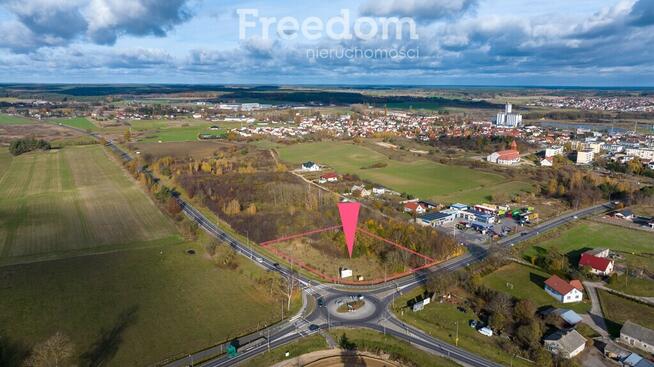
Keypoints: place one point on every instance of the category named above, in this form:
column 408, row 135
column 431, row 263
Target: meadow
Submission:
column 14, row 120
column 422, row 178
column 72, row 201
column 177, row 130
column 131, row 308
column 633, row 245
column 77, row 122
column 524, row 282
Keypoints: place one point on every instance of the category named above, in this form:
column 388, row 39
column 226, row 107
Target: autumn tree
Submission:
column 128, row 135
column 233, row 207
column 56, row 351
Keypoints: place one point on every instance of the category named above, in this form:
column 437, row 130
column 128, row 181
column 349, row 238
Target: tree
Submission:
column 528, row 335
column 54, row 352
column 524, row 310
column 233, row 208
column 128, row 135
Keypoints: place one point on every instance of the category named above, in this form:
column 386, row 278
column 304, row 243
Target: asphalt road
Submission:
column 381, row 295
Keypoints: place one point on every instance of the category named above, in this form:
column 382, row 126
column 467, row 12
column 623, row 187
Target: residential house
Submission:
column 547, row 162
column 378, row 191
column 309, row 167
column 360, row 191
column 415, row 207
column 565, row 343
column 637, row 336
column 328, row 177
column 563, row 291
column 598, row 265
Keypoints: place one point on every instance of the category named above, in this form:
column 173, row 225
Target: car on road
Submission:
column 321, row 302
column 260, row 260
column 575, row 217
column 314, row 327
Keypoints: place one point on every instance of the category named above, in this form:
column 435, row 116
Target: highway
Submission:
column 381, row 296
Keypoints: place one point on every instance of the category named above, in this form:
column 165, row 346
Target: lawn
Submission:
column 440, row 320
column 77, row 122
column 306, row 345
column 524, row 282
column 132, row 308
column 14, row 120
column 633, row 244
column 423, row 178
column 633, row 286
column 617, row 310
column 71, row 200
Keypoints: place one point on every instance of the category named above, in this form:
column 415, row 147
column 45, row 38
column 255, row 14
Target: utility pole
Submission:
column 456, row 341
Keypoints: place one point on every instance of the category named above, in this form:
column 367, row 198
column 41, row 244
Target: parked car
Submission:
column 486, row 331
column 473, row 324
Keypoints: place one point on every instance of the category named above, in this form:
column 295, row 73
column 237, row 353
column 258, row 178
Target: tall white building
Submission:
column 508, row 118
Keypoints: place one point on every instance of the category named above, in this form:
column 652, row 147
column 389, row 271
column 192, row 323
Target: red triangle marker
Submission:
column 350, row 219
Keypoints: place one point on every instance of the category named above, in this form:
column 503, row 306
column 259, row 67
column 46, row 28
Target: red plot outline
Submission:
column 269, row 246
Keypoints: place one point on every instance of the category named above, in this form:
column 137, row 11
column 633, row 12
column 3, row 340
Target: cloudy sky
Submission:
column 472, row 42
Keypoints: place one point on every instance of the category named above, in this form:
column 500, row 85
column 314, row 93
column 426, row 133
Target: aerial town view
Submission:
column 384, row 183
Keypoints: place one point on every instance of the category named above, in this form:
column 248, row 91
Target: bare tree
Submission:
column 54, row 352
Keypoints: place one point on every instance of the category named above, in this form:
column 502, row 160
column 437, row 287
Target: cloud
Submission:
column 642, row 13
column 422, row 10
column 59, row 22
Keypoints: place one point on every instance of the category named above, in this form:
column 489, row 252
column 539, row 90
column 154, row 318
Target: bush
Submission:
column 25, row 145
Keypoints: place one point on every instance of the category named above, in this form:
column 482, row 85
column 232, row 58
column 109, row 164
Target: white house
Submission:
column 554, row 150
column 563, row 291
column 598, row 265
column 565, row 343
column 547, row 162
column 310, row 167
column 363, row 192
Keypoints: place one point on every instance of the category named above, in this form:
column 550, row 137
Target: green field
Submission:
column 440, row 320
column 634, row 245
column 77, row 122
column 186, row 133
column 73, row 200
column 422, row 178
column 524, row 282
column 14, row 120
column 617, row 310
column 132, row 308
column 5, row 160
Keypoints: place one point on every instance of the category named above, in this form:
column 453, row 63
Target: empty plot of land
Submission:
column 77, row 122
column 422, row 177
column 71, row 200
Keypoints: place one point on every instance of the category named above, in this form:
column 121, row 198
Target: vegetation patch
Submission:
column 618, row 309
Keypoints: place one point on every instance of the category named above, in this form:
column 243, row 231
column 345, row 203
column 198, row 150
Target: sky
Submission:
column 428, row 42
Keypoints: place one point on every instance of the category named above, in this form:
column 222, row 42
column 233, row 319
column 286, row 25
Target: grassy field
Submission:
column 5, row 161
column 77, row 122
column 73, row 200
column 14, row 120
column 132, row 308
column 617, row 310
column 188, row 133
column 527, row 284
column 632, row 244
column 440, row 320
column 633, row 286
column 423, row 178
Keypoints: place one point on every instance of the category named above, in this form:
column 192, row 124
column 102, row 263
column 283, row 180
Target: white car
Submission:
column 486, row 331
column 260, row 260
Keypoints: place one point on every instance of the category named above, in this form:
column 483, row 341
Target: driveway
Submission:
column 595, row 318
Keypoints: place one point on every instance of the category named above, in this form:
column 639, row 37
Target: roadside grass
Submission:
column 618, row 309
column 524, row 282
column 134, row 307
column 423, row 178
column 14, row 120
column 71, row 200
column 634, row 286
column 587, row 235
column 364, row 339
column 306, row 345
column 77, row 122
column 440, row 320
column 372, row 341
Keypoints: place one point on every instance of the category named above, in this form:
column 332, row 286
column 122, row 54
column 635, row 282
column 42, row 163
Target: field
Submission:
column 73, row 200
column 440, row 320
column 524, row 282
column 421, row 177
column 77, row 122
column 131, row 308
column 177, row 130
column 196, row 149
column 14, row 120
column 634, row 245
column 617, row 310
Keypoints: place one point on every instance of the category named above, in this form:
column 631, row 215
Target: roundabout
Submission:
column 350, row 307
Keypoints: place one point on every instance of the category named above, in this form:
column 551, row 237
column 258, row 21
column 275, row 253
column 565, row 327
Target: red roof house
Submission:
column 597, row 265
column 415, row 207
column 563, row 291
